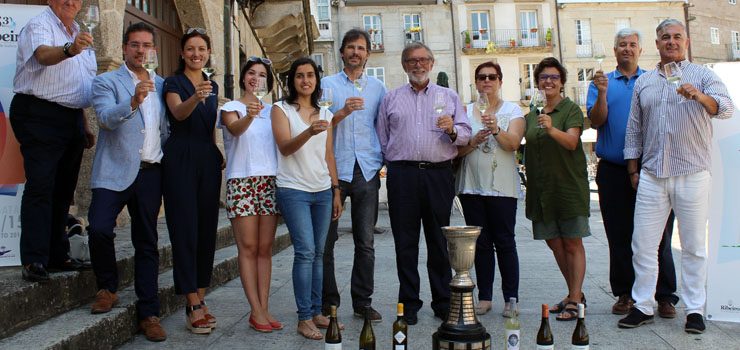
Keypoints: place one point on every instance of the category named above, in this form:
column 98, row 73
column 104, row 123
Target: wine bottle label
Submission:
column 512, row 339
column 545, row 347
column 580, row 347
column 333, row 346
column 399, row 347
column 399, row 336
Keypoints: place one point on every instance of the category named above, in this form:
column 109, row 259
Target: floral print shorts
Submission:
column 250, row 196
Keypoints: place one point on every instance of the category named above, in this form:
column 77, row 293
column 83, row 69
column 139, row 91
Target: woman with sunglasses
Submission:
column 251, row 167
column 557, row 187
column 488, row 187
column 191, row 173
column 307, row 187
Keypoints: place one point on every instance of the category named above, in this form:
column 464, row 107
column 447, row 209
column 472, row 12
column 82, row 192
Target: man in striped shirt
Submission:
column 52, row 83
column 673, row 138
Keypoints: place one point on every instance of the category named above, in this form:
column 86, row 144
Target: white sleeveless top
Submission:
column 492, row 173
column 254, row 152
column 306, row 169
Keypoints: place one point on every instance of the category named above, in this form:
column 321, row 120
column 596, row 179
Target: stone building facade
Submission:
column 714, row 30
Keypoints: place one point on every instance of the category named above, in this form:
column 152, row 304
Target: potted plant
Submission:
column 482, row 30
column 533, row 30
column 548, row 37
column 467, row 39
column 512, row 42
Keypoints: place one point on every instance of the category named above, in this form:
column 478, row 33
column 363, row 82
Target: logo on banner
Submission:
column 8, row 31
column 729, row 307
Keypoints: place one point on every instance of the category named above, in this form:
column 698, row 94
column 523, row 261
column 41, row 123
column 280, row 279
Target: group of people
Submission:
column 295, row 160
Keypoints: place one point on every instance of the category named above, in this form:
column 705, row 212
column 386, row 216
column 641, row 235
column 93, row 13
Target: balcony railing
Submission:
column 580, row 94
column 734, row 51
column 584, row 49
column 376, row 39
column 504, row 38
column 413, row 35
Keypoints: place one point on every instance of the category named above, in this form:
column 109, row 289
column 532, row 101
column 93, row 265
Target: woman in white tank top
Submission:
column 307, row 187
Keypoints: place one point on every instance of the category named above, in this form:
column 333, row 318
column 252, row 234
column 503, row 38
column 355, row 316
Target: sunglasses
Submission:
column 266, row 61
column 544, row 77
column 482, row 77
column 200, row 31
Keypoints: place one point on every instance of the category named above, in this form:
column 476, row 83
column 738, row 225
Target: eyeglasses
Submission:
column 415, row 61
column 550, row 76
column 266, row 61
column 482, row 77
column 200, row 31
column 137, row 45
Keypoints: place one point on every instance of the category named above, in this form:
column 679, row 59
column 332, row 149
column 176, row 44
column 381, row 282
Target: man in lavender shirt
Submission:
column 418, row 146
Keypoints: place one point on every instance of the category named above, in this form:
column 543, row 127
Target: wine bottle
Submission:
column 544, row 335
column 512, row 327
column 400, row 331
column 367, row 337
column 333, row 336
column 580, row 334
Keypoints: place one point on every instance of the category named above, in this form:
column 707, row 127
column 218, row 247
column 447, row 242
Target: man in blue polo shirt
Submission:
column 356, row 98
column 608, row 105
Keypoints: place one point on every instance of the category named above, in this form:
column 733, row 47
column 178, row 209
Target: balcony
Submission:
column 486, row 41
column 376, row 40
column 734, row 51
column 413, row 34
column 580, row 94
column 584, row 49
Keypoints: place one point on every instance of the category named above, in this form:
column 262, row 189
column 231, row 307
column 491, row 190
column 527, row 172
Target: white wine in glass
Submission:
column 209, row 71
column 673, row 75
column 599, row 52
column 538, row 101
column 325, row 101
column 439, row 103
column 360, row 83
column 260, row 89
column 90, row 20
column 482, row 103
column 151, row 62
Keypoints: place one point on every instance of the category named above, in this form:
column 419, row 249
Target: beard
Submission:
column 418, row 79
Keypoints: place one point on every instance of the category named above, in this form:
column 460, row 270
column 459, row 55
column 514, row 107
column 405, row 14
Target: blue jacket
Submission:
column 121, row 136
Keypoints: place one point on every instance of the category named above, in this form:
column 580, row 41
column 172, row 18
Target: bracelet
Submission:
column 335, row 187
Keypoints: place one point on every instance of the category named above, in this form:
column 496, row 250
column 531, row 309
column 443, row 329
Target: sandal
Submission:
column 560, row 306
column 199, row 326
column 210, row 318
column 322, row 322
column 309, row 332
column 571, row 309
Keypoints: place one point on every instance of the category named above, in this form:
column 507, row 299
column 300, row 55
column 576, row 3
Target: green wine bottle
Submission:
column 333, row 339
column 544, row 335
column 580, row 334
column 367, row 337
column 400, row 331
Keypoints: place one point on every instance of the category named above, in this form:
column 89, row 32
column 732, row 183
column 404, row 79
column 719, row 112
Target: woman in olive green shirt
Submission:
column 557, row 188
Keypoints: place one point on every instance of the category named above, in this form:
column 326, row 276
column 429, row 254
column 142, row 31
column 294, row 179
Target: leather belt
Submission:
column 423, row 165
column 146, row 165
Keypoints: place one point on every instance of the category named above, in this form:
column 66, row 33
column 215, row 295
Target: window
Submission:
column 319, row 59
column 324, row 10
column 621, row 23
column 377, row 72
column 585, row 75
column 714, row 35
column 374, row 27
column 412, row 27
column 480, row 29
column 732, row 2
column 735, row 37
column 528, row 85
column 583, row 38
column 528, row 28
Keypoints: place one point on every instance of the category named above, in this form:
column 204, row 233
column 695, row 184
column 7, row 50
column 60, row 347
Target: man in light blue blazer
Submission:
column 126, row 172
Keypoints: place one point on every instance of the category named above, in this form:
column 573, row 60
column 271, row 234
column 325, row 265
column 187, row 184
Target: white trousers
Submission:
column 688, row 196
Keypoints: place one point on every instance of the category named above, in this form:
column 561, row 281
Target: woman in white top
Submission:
column 251, row 169
column 307, row 187
column 488, row 186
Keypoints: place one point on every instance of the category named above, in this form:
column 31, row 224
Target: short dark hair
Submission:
column 292, row 95
column 490, row 64
column 352, row 35
column 548, row 62
column 138, row 27
column 183, row 40
column 270, row 78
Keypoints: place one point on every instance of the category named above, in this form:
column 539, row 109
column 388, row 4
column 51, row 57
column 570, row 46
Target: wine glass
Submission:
column 673, row 75
column 209, row 70
column 260, row 89
column 360, row 83
column 325, row 101
column 439, row 103
column 151, row 62
column 539, row 99
column 90, row 20
column 482, row 103
column 599, row 52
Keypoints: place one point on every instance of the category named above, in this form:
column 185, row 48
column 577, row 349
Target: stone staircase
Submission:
column 56, row 315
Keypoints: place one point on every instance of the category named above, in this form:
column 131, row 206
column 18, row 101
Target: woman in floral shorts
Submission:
column 251, row 167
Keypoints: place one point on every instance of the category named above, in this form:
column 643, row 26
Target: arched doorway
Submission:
column 162, row 15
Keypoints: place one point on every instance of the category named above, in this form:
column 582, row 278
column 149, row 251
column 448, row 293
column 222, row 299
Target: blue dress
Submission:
column 191, row 184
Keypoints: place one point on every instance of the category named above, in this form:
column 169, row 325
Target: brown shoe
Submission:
column 666, row 309
column 623, row 305
column 104, row 302
column 152, row 330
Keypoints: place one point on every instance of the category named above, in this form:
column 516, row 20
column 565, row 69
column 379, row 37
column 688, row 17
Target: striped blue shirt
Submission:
column 66, row 83
column 674, row 138
column 354, row 137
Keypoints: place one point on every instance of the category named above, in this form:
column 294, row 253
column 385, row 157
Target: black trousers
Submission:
column 617, row 202
column 52, row 140
column 143, row 199
column 421, row 196
column 364, row 196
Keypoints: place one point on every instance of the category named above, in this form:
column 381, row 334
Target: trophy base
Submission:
column 461, row 330
column 483, row 342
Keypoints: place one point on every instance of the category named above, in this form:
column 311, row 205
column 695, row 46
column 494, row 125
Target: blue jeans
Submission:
column 307, row 215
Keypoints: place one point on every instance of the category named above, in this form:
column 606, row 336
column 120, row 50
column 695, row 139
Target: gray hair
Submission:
column 413, row 46
column 625, row 32
column 668, row 22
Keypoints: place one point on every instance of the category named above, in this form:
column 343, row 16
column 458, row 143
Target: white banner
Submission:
column 12, row 19
column 723, row 290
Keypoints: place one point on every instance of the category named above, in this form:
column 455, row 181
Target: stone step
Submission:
column 26, row 305
column 77, row 328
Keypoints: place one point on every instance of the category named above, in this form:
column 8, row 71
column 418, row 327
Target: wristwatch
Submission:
column 497, row 131
column 65, row 48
